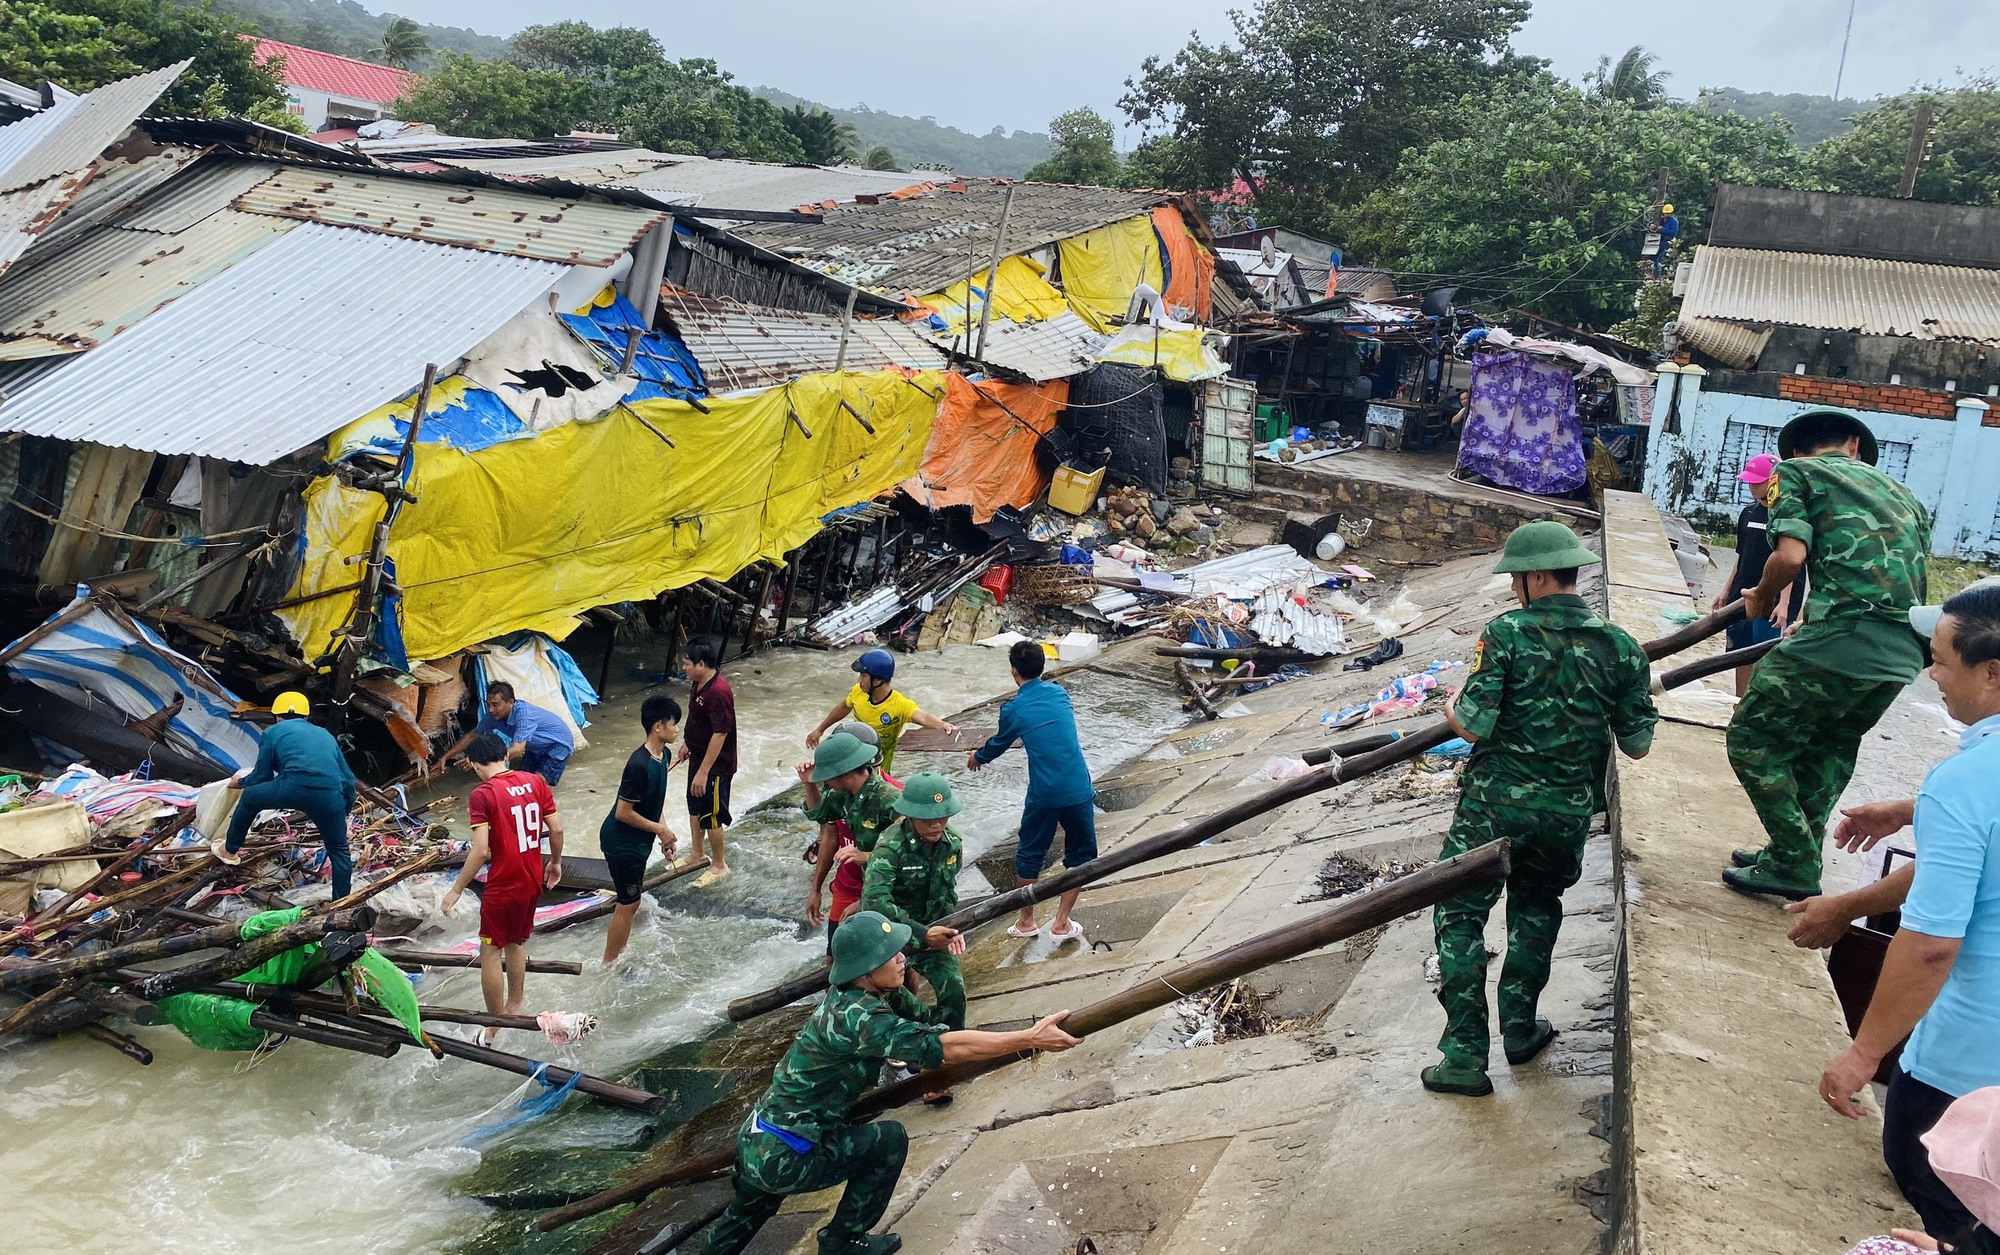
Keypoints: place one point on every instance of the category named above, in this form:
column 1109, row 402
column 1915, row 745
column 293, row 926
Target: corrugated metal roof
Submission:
column 70, row 134
column 750, row 346
column 27, row 212
column 1731, row 343
column 124, row 174
column 1055, row 348
column 492, row 220
column 204, row 190
column 313, row 330
column 74, row 298
column 1881, row 298
column 928, row 241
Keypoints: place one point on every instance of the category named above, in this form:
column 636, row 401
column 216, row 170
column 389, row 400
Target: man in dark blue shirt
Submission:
column 299, row 767
column 1059, row 789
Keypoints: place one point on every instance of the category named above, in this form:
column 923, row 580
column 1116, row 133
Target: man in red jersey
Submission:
column 513, row 819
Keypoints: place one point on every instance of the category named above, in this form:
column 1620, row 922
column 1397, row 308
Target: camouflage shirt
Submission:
column 1867, row 539
column 1551, row 686
column 839, row 1053
column 868, row 813
column 913, row 881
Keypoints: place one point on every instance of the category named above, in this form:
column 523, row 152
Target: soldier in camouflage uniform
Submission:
column 797, row 1139
column 1862, row 539
column 843, row 786
column 913, row 879
column 1552, row 686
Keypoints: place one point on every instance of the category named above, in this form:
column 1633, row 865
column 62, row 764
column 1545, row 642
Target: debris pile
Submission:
column 1228, row 1013
column 1343, row 875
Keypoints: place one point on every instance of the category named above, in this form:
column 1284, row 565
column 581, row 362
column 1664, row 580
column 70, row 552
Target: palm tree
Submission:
column 403, row 43
column 880, row 158
column 1633, row 79
column 826, row 141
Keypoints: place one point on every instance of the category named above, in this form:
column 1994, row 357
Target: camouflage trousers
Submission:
column 869, row 1157
column 1792, row 743
column 939, row 968
column 1547, row 858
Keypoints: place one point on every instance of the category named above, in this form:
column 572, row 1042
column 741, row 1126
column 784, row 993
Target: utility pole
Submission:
column 1841, row 73
column 1920, row 134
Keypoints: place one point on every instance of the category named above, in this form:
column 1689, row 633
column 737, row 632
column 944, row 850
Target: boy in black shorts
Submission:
column 710, row 753
column 638, row 818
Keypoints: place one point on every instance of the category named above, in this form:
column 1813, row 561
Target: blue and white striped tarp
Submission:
column 127, row 665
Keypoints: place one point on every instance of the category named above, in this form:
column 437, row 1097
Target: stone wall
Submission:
column 1407, row 513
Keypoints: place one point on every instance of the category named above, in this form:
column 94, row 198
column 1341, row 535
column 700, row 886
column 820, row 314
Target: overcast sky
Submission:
column 1018, row 64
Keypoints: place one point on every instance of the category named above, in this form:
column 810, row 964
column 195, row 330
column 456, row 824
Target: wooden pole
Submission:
column 163, row 830
column 1359, row 745
column 30, row 973
column 604, row 908
column 993, row 270
column 412, row 868
column 1195, row 693
column 252, row 953
column 120, row 1042
column 1247, row 653
column 1194, row 832
column 1353, row 915
column 1913, row 160
column 409, row 959
column 312, row 1003
column 1688, row 673
column 367, row 1045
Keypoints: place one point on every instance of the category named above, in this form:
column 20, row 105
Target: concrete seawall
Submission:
column 1724, row 1144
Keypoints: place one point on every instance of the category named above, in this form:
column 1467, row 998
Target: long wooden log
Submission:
column 369, row 890
column 596, row 1086
column 409, row 960
column 1357, row 745
column 120, row 1042
column 1688, row 673
column 1356, row 914
column 313, row 1003
column 252, row 953
column 609, row 905
column 162, row 830
column 1194, row 832
column 366, row 1044
column 1247, row 653
column 1180, row 837
column 215, row 937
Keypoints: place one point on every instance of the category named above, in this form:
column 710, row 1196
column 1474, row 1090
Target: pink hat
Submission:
column 1965, row 1152
column 1758, row 469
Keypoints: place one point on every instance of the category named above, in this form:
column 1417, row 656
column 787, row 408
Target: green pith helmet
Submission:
column 863, row 942
column 1544, row 545
column 1814, row 426
column 839, row 754
column 927, row 795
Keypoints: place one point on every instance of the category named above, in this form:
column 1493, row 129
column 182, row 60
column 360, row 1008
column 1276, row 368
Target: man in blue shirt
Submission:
column 299, row 767
column 1940, row 981
column 1059, row 789
column 537, row 741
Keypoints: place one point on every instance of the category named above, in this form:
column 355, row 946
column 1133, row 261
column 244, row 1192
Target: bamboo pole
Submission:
column 1688, row 673
column 211, row 938
column 313, row 1003
column 323, row 1035
column 604, row 908
column 1194, row 832
column 120, row 1042
column 1359, row 745
column 408, row 959
column 252, row 953
column 1356, row 914
column 520, row 1065
column 1248, row 653
column 165, row 829
column 369, row 890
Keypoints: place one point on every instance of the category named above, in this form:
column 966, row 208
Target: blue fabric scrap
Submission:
column 664, row 363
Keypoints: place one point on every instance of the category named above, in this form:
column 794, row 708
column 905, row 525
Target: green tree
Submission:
column 692, row 106
column 827, row 142
column 880, row 158
column 146, row 35
column 1632, row 79
column 40, row 43
column 1083, row 151
column 581, row 50
column 1813, row 118
column 1314, row 101
column 492, row 99
column 403, row 44
column 1962, row 166
column 1545, row 206
column 1654, row 308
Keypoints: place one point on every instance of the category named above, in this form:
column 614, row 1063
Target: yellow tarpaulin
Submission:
column 530, row 533
column 1182, row 352
column 1101, row 268
column 1021, row 291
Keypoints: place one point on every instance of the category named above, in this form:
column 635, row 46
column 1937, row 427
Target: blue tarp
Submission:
column 667, row 366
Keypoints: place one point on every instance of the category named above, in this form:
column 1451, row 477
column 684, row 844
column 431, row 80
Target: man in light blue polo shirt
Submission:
column 537, row 741
column 1940, row 981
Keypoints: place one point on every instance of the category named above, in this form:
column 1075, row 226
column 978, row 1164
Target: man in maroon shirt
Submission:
column 513, row 818
column 709, row 743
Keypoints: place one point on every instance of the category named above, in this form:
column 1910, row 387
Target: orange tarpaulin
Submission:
column 1190, row 267
column 982, row 449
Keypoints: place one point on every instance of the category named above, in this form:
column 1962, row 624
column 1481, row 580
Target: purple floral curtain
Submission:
column 1522, row 432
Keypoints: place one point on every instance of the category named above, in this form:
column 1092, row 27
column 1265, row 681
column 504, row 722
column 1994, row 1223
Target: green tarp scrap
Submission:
column 212, row 1021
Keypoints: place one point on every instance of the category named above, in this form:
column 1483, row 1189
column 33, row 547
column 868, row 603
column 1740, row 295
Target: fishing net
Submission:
column 212, row 1021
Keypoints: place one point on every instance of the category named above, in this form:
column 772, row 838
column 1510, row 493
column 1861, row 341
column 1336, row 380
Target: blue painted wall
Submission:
column 1952, row 465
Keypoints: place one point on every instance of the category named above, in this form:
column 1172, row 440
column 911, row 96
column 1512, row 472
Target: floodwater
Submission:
column 316, row 1150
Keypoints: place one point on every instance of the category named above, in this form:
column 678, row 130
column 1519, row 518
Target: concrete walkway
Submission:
column 1725, row 1144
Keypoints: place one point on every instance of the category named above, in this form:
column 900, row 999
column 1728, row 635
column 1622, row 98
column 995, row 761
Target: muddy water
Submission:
column 313, row 1150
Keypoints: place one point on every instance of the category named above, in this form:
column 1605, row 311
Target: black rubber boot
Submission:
column 1537, row 1042
column 1744, row 858
column 1449, row 1078
column 1755, row 880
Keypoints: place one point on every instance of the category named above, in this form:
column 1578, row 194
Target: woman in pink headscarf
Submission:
column 1964, row 1148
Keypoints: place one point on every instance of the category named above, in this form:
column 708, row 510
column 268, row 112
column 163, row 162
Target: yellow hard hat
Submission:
column 291, row 704
column 1666, row 209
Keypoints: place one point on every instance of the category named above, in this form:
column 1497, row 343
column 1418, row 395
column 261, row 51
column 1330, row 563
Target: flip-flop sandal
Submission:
column 1075, row 933
column 937, row 1100
column 1014, row 930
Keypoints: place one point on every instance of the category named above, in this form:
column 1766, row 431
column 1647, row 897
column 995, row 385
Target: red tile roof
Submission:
column 339, row 76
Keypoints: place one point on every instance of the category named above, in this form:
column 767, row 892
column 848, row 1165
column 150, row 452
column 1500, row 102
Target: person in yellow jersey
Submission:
column 874, row 701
